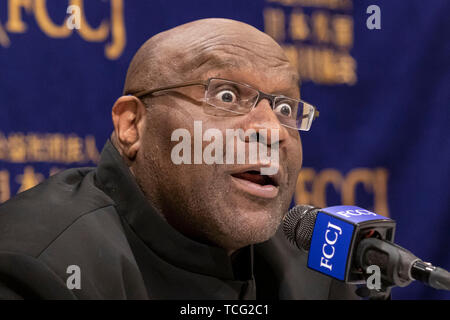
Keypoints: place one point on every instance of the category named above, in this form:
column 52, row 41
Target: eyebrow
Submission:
column 291, row 91
column 287, row 93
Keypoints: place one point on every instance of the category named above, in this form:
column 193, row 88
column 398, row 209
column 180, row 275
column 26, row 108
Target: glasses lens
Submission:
column 230, row 96
column 305, row 116
column 294, row 114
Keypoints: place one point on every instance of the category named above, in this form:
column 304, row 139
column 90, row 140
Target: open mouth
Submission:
column 256, row 184
column 256, row 177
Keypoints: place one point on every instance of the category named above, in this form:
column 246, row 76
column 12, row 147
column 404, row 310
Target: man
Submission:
column 144, row 226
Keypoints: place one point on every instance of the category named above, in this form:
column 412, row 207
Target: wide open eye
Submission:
column 284, row 109
column 226, row 96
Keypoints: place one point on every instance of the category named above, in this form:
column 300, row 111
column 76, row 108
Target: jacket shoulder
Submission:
column 30, row 221
column 25, row 277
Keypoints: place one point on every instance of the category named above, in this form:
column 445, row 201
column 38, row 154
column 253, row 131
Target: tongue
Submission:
column 252, row 177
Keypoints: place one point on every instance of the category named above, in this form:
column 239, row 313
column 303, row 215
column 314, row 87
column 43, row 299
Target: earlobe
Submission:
column 127, row 115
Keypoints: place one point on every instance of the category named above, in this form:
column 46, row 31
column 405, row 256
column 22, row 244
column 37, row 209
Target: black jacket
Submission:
column 98, row 219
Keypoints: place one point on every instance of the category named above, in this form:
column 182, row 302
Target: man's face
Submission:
column 229, row 205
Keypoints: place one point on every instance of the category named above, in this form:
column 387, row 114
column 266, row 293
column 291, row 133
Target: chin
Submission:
column 249, row 227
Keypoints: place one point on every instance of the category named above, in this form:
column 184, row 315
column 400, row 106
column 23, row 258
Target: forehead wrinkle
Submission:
column 225, row 57
column 208, row 60
column 250, row 54
column 236, row 44
column 234, row 63
column 217, row 36
column 194, row 50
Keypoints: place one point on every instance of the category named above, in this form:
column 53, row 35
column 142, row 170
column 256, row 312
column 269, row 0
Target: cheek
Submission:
column 157, row 144
column 294, row 158
column 161, row 124
column 299, row 152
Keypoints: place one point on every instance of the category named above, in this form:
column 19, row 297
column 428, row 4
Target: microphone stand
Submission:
column 398, row 266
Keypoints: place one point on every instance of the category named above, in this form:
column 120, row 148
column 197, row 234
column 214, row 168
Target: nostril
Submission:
column 257, row 136
column 252, row 136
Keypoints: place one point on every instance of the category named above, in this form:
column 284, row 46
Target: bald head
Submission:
column 189, row 51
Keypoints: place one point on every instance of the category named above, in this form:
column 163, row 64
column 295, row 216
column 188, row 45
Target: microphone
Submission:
column 343, row 241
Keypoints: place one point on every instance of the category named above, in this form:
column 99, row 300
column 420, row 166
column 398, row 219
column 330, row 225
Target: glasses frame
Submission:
column 261, row 95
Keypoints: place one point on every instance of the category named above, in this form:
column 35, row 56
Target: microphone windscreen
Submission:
column 298, row 225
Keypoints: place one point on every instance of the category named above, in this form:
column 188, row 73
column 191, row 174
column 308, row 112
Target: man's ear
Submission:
column 128, row 114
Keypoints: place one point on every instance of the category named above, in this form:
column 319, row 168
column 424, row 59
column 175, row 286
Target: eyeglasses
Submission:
column 240, row 98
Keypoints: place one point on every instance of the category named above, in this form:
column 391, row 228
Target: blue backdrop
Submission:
column 382, row 139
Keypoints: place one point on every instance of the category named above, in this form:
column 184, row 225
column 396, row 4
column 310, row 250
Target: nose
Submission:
column 264, row 121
